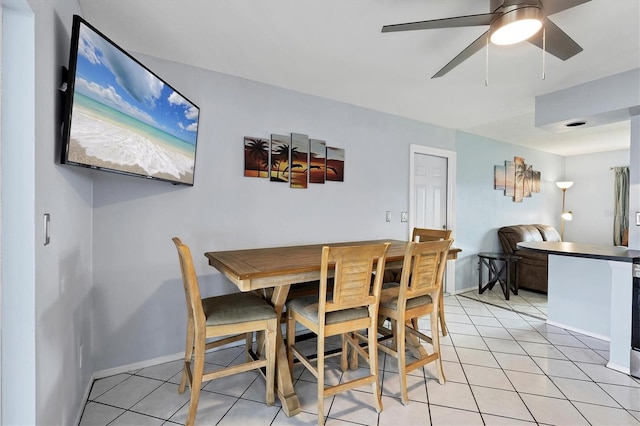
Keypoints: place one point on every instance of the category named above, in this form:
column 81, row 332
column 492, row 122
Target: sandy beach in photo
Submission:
column 77, row 154
column 105, row 138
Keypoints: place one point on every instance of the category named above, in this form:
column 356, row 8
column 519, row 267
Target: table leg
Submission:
column 413, row 343
column 480, row 263
column 284, row 381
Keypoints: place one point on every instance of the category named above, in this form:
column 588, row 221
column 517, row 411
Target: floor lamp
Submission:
column 565, row 215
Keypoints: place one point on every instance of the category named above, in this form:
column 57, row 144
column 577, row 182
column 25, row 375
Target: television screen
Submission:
column 121, row 117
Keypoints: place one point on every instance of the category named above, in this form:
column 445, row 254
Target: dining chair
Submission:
column 422, row 235
column 351, row 307
column 415, row 297
column 428, row 234
column 235, row 316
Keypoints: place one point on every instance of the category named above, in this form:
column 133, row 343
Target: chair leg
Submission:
column 188, row 353
column 394, row 330
column 402, row 359
column 372, row 351
column 441, row 312
column 196, row 382
column 344, row 362
column 320, row 370
column 435, row 342
column 248, row 337
column 353, row 361
column 270, row 353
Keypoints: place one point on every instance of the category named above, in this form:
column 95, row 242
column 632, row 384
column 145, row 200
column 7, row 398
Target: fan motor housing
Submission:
column 507, row 5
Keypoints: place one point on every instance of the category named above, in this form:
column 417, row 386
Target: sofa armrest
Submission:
column 510, row 236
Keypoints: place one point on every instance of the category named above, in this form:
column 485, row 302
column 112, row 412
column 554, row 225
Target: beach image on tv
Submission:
column 125, row 118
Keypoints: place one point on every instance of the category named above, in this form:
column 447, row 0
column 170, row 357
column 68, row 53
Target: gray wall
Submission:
column 18, row 191
column 110, row 281
column 139, row 307
column 56, row 302
column 591, row 196
column 482, row 210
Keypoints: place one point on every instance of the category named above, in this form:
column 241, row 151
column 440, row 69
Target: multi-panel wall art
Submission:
column 517, row 179
column 294, row 159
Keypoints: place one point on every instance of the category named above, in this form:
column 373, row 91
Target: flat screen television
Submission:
column 121, row 117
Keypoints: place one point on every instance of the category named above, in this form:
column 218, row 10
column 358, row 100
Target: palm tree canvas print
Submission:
column 317, row 160
column 519, row 181
column 335, row 164
column 498, row 177
column 299, row 168
column 256, row 157
column 279, row 158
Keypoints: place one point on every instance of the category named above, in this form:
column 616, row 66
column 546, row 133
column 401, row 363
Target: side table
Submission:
column 501, row 267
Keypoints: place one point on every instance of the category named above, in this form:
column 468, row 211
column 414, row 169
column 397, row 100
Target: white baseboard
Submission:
column 462, row 290
column 137, row 365
column 578, row 330
column 625, row 370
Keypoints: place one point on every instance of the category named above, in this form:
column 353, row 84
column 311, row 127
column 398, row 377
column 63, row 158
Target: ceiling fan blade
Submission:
column 558, row 43
column 457, row 21
column 474, row 47
column 554, row 6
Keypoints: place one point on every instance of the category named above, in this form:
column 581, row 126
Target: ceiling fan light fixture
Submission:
column 516, row 25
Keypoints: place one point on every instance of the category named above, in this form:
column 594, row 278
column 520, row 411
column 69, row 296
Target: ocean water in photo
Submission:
column 112, row 136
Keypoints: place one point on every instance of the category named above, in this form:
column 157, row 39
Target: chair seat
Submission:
column 236, row 308
column 308, row 308
column 389, row 299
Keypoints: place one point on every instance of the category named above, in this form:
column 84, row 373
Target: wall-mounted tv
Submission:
column 121, row 117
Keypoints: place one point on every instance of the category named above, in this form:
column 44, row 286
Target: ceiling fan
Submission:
column 510, row 22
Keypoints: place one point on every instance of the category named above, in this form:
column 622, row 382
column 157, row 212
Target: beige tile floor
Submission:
column 525, row 302
column 502, row 368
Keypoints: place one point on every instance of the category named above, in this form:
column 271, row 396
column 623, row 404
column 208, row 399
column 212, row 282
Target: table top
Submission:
column 252, row 269
column 593, row 251
column 498, row 256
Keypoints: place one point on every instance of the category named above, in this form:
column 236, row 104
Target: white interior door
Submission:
column 432, row 195
column 430, row 191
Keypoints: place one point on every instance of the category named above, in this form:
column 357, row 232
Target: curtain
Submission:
column 621, row 206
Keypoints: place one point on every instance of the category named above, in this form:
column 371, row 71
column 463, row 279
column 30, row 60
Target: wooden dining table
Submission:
column 273, row 270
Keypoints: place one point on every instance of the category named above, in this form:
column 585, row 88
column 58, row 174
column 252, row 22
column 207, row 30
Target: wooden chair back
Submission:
column 352, row 267
column 423, row 269
column 195, row 312
column 428, row 234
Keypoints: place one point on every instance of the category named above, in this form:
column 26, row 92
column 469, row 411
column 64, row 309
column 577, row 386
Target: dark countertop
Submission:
column 593, row 251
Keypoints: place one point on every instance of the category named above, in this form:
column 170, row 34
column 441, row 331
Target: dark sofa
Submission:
column 532, row 267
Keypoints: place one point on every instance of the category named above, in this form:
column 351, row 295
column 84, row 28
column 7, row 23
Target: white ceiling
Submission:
column 335, row 49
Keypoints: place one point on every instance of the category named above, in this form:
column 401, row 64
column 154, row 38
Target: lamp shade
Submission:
column 564, row 184
column 516, row 25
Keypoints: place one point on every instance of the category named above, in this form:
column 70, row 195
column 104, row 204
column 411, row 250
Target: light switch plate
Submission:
column 388, row 215
column 637, row 218
column 47, row 221
column 404, row 216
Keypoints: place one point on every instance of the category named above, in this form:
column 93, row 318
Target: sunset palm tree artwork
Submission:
column 279, row 171
column 317, row 160
column 256, row 157
column 517, row 179
column 299, row 168
column 335, row 164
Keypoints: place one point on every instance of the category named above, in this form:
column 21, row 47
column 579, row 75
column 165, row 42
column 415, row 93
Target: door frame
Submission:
column 450, row 282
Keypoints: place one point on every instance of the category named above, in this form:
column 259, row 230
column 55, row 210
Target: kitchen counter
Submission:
column 590, row 292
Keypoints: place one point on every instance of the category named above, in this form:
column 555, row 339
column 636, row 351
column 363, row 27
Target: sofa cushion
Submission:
column 548, row 233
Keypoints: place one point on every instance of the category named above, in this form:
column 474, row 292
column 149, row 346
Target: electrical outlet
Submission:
column 388, row 215
column 404, row 216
